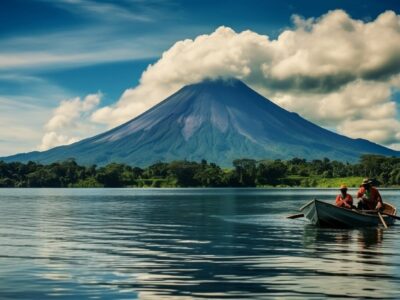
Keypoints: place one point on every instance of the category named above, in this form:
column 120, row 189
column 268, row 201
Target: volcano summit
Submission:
column 217, row 120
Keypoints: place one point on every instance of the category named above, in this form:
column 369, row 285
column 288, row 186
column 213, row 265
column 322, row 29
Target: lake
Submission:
column 187, row 244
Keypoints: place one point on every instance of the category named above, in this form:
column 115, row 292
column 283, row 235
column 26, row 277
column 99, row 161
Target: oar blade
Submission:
column 295, row 216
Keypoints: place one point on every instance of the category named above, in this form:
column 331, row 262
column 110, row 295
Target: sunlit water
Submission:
column 186, row 244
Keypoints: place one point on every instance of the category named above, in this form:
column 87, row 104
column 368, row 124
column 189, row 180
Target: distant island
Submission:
column 296, row 172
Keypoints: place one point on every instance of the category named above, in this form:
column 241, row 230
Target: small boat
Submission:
column 324, row 214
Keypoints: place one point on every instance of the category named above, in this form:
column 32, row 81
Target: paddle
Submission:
column 382, row 220
column 393, row 216
column 376, row 211
column 295, row 216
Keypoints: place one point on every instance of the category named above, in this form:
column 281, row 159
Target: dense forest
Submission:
column 245, row 173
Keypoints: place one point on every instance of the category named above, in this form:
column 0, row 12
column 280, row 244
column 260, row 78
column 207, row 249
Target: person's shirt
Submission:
column 372, row 196
column 346, row 201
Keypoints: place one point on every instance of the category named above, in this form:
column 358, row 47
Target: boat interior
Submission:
column 389, row 209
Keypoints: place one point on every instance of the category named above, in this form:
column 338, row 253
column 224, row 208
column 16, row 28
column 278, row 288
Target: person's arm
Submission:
column 342, row 202
column 361, row 194
column 349, row 200
column 338, row 202
column 379, row 203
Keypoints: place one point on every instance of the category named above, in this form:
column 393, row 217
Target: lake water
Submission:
column 186, row 244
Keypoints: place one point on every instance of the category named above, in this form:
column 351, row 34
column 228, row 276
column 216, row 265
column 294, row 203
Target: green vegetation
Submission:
column 245, row 173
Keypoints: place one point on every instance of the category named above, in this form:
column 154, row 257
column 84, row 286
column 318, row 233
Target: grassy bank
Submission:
column 320, row 182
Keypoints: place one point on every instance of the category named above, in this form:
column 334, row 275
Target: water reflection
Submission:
column 174, row 244
column 365, row 238
column 370, row 238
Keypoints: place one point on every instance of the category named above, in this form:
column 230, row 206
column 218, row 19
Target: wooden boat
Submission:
column 328, row 215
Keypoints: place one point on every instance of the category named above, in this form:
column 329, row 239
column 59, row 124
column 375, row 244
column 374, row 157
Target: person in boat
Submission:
column 344, row 199
column 369, row 197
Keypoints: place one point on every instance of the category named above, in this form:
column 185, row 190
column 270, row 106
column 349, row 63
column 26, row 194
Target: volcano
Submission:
column 217, row 120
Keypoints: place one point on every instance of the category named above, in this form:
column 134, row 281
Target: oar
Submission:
column 295, row 216
column 393, row 216
column 376, row 211
column 382, row 220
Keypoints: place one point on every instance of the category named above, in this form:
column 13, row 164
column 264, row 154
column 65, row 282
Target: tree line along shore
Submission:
column 295, row 172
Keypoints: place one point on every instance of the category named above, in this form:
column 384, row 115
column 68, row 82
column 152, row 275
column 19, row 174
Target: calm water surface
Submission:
column 186, row 244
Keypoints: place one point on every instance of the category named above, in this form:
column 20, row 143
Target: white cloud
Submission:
column 70, row 122
column 22, row 117
column 70, row 49
column 53, row 139
column 359, row 99
column 108, row 11
column 385, row 131
column 70, row 110
column 334, row 70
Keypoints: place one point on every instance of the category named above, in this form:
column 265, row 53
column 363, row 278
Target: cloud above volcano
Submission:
column 334, row 70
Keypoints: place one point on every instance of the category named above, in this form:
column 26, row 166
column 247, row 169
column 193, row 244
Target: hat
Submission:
column 366, row 181
column 343, row 186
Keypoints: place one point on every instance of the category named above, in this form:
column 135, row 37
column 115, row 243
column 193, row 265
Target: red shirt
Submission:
column 372, row 196
column 347, row 201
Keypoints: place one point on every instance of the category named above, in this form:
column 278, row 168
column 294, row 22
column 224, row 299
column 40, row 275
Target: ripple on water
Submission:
column 186, row 244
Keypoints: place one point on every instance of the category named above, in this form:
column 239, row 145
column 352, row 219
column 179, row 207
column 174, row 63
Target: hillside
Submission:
column 219, row 121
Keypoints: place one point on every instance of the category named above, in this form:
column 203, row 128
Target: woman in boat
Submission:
column 343, row 199
column 369, row 197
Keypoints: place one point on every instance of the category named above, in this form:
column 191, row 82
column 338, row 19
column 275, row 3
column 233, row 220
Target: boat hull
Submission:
column 324, row 214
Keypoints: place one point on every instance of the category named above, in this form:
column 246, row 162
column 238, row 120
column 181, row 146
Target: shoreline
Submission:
column 203, row 188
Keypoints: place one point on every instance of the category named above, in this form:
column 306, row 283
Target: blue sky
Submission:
column 159, row 24
column 52, row 51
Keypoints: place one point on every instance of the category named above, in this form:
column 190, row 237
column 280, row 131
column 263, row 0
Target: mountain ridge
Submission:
column 217, row 120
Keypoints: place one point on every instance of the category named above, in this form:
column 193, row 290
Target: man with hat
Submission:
column 369, row 197
column 343, row 199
